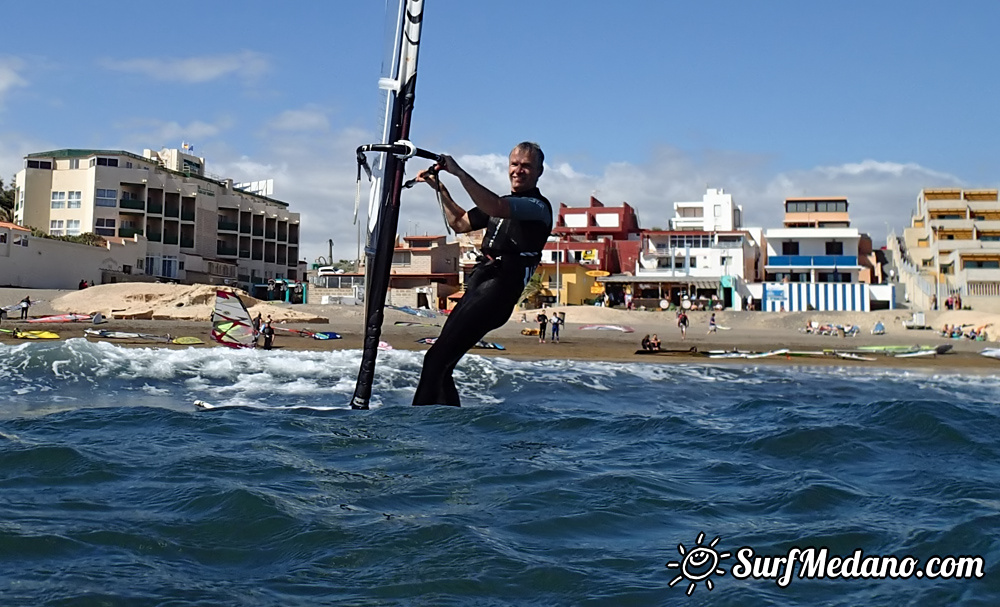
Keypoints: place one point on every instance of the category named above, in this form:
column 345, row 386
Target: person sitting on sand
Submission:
column 654, row 343
column 645, row 343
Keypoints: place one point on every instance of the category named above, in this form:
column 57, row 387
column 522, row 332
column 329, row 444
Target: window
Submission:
column 56, row 227
column 40, row 164
column 3, row 237
column 104, row 226
column 72, row 227
column 789, row 248
column 718, row 210
column 20, row 239
column 58, row 200
column 107, row 162
column 74, row 199
column 401, row 258
column 106, row 198
column 74, row 163
column 128, row 164
column 835, row 248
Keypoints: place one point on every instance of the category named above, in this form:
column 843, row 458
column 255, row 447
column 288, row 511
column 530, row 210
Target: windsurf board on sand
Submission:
column 16, row 334
column 63, row 318
column 622, row 328
column 485, row 345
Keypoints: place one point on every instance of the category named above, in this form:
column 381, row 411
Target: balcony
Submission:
column 187, row 243
column 129, row 232
column 172, row 212
column 258, row 231
column 132, row 203
column 244, row 229
column 812, row 261
column 171, row 239
column 155, row 208
column 228, row 226
column 154, row 237
column 225, row 251
column 187, row 215
column 244, row 253
column 270, row 234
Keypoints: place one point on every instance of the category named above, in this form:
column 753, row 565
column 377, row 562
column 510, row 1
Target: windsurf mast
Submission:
column 387, row 174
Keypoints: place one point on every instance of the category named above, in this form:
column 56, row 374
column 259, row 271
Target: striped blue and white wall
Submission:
column 824, row 296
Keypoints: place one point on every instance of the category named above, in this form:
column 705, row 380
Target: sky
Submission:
column 644, row 102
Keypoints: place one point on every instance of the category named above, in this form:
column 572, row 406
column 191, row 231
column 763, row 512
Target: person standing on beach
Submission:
column 256, row 329
column 543, row 322
column 25, row 304
column 517, row 228
column 682, row 322
column 268, row 333
column 556, row 323
column 712, row 327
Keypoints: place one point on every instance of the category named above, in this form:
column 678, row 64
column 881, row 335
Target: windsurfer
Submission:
column 517, row 227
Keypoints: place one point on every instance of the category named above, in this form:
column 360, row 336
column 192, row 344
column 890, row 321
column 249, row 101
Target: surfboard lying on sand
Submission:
column 622, row 328
column 407, row 323
column 63, row 318
column 414, row 311
column 31, row 334
column 486, row 345
column 991, row 352
column 106, row 334
column 667, row 352
column 312, row 334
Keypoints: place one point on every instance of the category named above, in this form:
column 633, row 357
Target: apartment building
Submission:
column 199, row 229
column 952, row 246
column 817, row 261
column 715, row 212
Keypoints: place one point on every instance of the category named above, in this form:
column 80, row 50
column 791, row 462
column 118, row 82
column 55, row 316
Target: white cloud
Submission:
column 10, row 77
column 152, row 133
column 248, row 65
column 309, row 119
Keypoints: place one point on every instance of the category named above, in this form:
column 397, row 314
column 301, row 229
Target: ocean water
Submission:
column 558, row 483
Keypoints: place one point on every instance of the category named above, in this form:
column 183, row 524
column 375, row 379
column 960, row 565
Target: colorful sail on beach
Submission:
column 231, row 324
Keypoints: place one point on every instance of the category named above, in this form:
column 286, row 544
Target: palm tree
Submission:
column 533, row 289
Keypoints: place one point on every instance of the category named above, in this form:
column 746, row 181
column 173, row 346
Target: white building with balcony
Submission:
column 817, row 261
column 197, row 229
column 715, row 212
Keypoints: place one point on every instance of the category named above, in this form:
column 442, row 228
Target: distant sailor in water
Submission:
column 517, row 227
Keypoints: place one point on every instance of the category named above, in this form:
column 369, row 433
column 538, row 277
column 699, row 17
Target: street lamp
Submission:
column 558, row 277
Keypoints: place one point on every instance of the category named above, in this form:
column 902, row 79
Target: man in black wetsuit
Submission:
column 517, row 227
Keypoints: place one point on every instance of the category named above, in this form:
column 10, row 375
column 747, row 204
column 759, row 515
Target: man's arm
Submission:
column 484, row 199
column 457, row 217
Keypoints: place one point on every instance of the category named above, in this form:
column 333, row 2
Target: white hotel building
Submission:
column 198, row 229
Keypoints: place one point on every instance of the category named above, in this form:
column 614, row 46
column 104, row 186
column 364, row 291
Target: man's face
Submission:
column 523, row 171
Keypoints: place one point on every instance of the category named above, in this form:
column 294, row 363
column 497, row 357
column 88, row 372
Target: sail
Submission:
column 399, row 85
column 231, row 324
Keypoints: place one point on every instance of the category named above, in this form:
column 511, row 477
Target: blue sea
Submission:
column 557, row 483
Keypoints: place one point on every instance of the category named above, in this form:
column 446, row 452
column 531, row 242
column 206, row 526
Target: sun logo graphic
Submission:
column 698, row 564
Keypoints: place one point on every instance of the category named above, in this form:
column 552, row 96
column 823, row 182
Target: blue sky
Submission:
column 647, row 102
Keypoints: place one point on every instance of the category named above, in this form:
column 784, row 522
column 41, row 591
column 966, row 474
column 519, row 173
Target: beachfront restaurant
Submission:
column 649, row 292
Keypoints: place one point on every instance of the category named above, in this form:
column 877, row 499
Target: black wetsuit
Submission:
column 512, row 248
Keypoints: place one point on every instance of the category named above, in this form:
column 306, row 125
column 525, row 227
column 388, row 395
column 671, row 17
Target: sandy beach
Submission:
column 180, row 310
